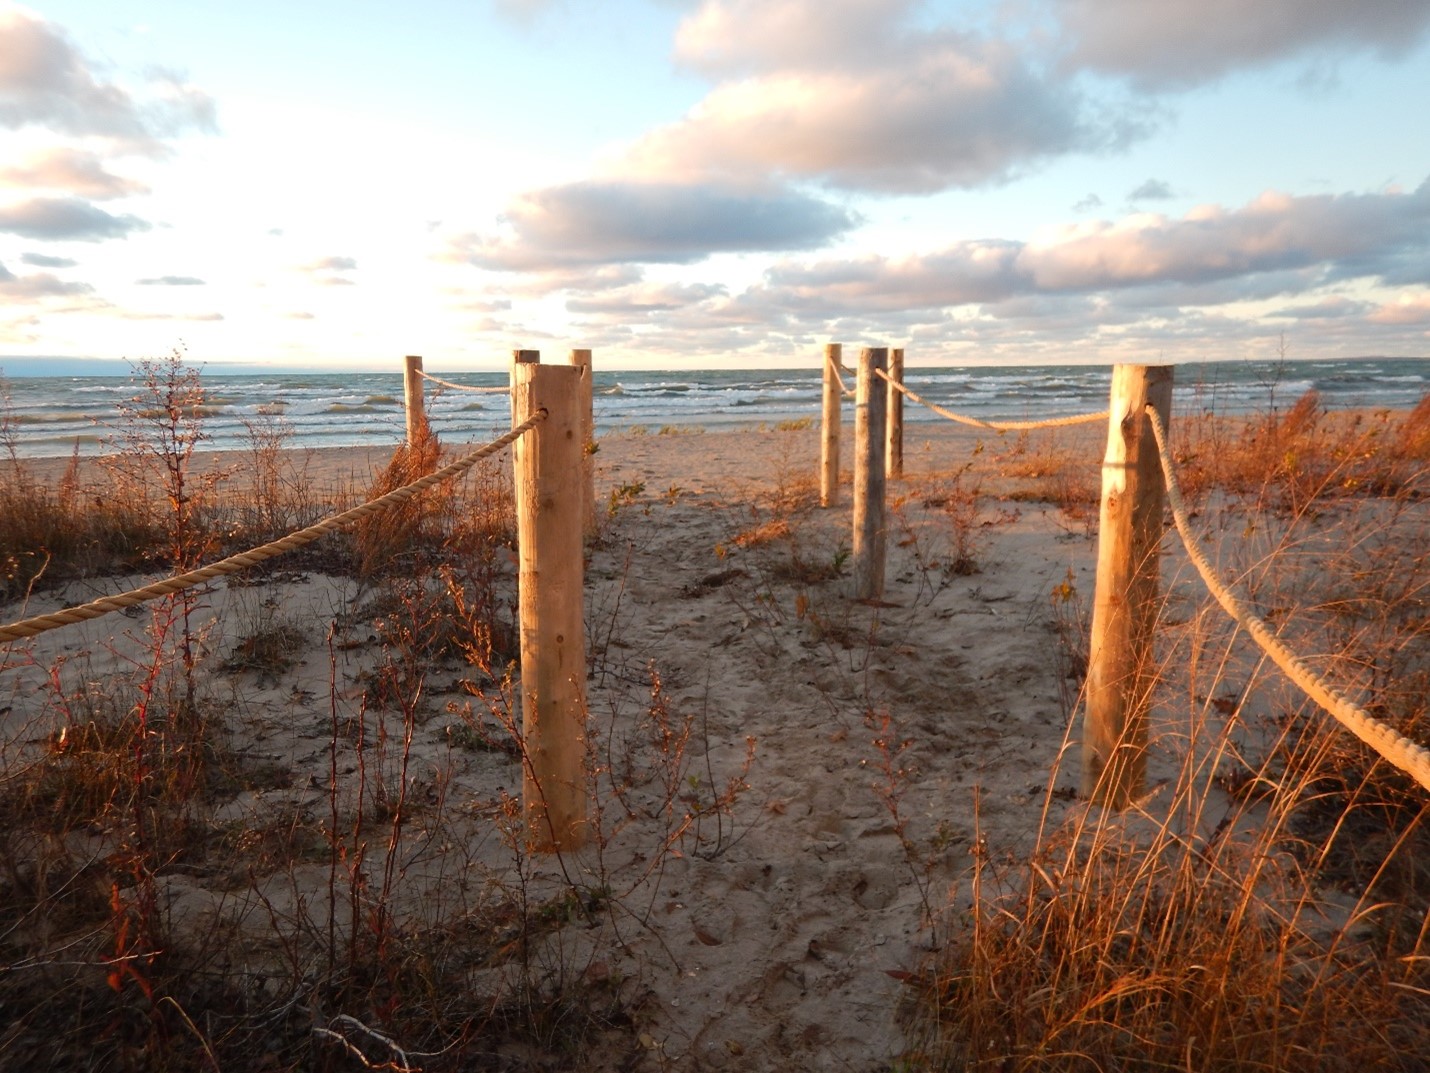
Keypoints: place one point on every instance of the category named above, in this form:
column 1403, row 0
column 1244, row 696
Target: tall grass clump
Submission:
column 54, row 531
column 1266, row 905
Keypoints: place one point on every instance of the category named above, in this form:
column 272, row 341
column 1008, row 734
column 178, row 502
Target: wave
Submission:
column 47, row 418
column 349, row 408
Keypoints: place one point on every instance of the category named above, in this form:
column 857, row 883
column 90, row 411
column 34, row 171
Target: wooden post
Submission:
column 1121, row 667
column 581, row 359
column 547, row 463
column 412, row 399
column 829, row 442
column 869, row 401
column 522, row 357
column 894, row 452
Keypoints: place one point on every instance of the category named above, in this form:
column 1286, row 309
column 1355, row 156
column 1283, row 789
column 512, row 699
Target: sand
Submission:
column 875, row 752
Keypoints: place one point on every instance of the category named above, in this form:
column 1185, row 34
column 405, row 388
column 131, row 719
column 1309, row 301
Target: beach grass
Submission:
column 247, row 833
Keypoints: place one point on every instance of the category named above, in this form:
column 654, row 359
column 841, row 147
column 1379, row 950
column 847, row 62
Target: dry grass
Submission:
column 1265, row 907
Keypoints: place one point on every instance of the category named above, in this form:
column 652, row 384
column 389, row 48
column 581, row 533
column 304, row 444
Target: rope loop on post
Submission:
column 839, row 371
column 32, row 627
column 1405, row 754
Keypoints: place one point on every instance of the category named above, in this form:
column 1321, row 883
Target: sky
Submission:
column 711, row 183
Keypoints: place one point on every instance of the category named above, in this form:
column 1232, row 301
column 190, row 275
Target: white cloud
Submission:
column 724, row 37
column 46, row 82
column 850, row 94
column 331, row 271
column 73, row 171
column 642, row 300
column 1409, row 310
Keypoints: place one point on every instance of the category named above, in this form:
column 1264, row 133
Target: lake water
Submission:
column 46, row 416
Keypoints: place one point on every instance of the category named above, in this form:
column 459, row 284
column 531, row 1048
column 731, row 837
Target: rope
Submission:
column 1393, row 746
column 32, row 627
column 844, row 389
column 464, row 387
column 997, row 426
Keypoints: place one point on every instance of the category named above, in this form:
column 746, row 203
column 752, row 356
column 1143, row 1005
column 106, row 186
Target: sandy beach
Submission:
column 793, row 788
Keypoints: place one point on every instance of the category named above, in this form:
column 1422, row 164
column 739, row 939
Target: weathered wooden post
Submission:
column 412, row 399
column 521, row 357
column 894, row 452
column 547, row 463
column 870, row 397
column 829, row 441
column 581, row 359
column 1121, row 668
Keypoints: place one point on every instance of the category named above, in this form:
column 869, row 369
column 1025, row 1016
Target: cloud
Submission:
column 45, row 81
column 1275, row 231
column 585, row 279
column 75, row 171
column 637, row 301
column 171, row 281
column 1273, row 245
column 332, row 264
column 331, row 271
column 1152, row 190
column 40, row 285
column 841, row 94
column 1087, row 204
column 1333, row 307
column 526, row 11
column 1173, row 44
column 53, row 219
column 138, row 314
column 725, row 37
column 44, row 260
column 612, row 222
column 1408, row 310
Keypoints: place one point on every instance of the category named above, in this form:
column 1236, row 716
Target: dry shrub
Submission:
column 1058, row 467
column 404, row 529
column 1414, row 436
column 62, row 530
column 1306, row 455
column 764, row 533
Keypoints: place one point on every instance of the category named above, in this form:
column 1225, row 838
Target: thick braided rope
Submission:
column 32, row 627
column 464, row 387
column 996, row 426
column 1389, row 743
column 839, row 370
